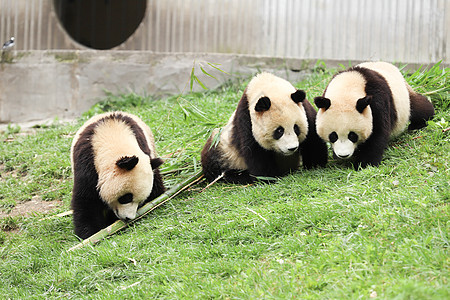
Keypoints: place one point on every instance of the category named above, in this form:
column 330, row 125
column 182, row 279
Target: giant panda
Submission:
column 115, row 167
column 269, row 134
column 366, row 105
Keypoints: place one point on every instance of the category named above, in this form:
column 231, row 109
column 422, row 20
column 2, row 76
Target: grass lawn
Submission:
column 327, row 233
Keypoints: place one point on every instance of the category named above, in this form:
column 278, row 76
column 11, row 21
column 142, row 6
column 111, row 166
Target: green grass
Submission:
column 326, row 233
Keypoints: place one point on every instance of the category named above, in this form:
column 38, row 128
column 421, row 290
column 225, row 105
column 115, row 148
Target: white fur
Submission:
column 112, row 140
column 283, row 112
column 342, row 117
column 344, row 148
column 231, row 154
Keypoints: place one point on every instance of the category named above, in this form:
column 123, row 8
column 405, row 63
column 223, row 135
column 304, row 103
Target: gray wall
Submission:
column 412, row 31
column 37, row 85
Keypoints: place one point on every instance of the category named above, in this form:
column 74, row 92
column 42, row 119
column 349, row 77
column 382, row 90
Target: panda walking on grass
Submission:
column 364, row 106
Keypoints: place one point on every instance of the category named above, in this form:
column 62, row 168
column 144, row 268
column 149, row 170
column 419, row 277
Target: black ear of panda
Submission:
column 263, row 104
column 362, row 103
column 322, row 102
column 127, row 162
column 298, row 96
column 156, row 162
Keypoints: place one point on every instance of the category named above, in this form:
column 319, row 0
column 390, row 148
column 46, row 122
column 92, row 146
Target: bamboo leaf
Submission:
column 216, row 139
column 185, row 112
column 206, row 73
column 266, row 178
column 200, row 83
column 191, row 81
column 218, row 69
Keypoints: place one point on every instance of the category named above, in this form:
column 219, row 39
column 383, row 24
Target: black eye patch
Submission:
column 278, row 133
column 296, row 129
column 333, row 137
column 127, row 198
column 353, row 137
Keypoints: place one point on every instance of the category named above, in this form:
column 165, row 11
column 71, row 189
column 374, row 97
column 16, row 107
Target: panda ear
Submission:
column 156, row 162
column 362, row 103
column 127, row 162
column 263, row 104
column 298, row 96
column 322, row 102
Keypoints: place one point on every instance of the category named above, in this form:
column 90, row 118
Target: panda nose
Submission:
column 292, row 149
column 344, row 156
column 126, row 219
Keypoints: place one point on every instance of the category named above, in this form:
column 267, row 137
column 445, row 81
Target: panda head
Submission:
column 279, row 121
column 345, row 117
column 126, row 183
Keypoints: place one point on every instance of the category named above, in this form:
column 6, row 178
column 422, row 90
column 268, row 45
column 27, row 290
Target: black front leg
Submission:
column 370, row 152
column 90, row 215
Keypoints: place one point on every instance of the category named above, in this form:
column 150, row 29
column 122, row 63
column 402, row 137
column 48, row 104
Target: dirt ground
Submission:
column 35, row 205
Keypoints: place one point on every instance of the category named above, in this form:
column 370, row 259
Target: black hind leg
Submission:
column 422, row 110
column 212, row 163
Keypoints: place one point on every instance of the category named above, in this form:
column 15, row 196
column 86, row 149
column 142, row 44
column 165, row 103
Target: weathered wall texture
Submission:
column 37, row 85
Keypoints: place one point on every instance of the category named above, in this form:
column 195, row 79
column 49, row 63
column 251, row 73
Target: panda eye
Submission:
column 353, row 137
column 278, row 133
column 127, row 198
column 333, row 137
column 296, row 129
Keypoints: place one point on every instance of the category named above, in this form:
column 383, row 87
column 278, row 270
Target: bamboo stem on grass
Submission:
column 119, row 224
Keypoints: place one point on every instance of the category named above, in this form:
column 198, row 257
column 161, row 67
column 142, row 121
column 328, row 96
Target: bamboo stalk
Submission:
column 63, row 214
column 119, row 224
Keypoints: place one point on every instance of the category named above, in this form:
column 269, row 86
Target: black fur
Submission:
column 322, row 102
column 260, row 162
column 384, row 119
column 362, row 103
column 422, row 110
column 314, row 150
column 127, row 162
column 214, row 165
column 298, row 96
column 379, row 98
column 263, row 104
column 156, row 162
column 90, row 213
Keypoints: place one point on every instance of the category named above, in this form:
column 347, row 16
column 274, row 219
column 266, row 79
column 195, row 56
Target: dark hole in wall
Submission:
column 100, row 24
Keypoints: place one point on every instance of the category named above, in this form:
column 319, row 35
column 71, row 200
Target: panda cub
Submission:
column 114, row 163
column 366, row 105
column 271, row 132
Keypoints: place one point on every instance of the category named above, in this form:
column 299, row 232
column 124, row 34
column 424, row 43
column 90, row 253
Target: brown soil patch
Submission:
column 35, row 205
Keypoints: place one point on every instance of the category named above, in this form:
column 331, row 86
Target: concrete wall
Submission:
column 37, row 85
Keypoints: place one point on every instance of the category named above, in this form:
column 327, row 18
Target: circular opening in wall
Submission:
column 100, row 24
